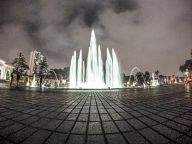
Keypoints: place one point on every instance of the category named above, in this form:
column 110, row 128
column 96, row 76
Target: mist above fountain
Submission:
column 94, row 74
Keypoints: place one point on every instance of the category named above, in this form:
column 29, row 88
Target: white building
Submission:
column 35, row 58
column 5, row 70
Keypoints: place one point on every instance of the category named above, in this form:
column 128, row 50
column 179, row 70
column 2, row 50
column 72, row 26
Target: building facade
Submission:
column 35, row 59
column 5, row 70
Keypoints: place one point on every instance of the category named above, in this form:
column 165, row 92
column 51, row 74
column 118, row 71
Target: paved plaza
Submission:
column 135, row 116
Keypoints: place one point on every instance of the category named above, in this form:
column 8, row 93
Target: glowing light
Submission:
column 93, row 76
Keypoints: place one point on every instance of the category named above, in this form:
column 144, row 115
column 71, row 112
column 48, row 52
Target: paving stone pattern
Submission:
column 132, row 116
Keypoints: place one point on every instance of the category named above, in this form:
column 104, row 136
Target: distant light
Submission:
column 186, row 73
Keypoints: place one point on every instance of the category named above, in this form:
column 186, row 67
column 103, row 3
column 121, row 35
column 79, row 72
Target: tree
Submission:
column 157, row 73
column 188, row 65
column 43, row 66
column 66, row 72
column 140, row 77
column 131, row 79
column 147, row 76
column 182, row 68
column 20, row 65
column 191, row 53
column 61, row 73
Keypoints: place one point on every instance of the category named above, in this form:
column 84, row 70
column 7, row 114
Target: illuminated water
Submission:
column 94, row 74
column 34, row 82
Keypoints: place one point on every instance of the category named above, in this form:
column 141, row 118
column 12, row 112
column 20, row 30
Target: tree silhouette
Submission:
column 182, row 68
column 147, row 76
column 140, row 77
column 157, row 73
column 43, row 66
column 20, row 65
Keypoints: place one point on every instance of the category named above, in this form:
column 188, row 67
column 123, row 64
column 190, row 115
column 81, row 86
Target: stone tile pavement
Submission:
column 158, row 116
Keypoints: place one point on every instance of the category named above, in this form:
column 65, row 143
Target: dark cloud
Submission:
column 87, row 11
column 14, row 11
column 120, row 6
column 151, row 34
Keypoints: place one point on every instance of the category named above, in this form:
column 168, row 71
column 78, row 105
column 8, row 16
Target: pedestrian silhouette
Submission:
column 12, row 76
column 18, row 78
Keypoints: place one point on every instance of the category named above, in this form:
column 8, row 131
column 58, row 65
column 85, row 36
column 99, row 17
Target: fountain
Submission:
column 154, row 82
column 57, row 80
column 28, row 83
column 34, row 82
column 94, row 76
column 135, row 83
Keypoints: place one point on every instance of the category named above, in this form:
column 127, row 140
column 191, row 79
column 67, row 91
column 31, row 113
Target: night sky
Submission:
column 150, row 34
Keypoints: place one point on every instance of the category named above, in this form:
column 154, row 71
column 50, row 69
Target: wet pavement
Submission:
column 158, row 116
